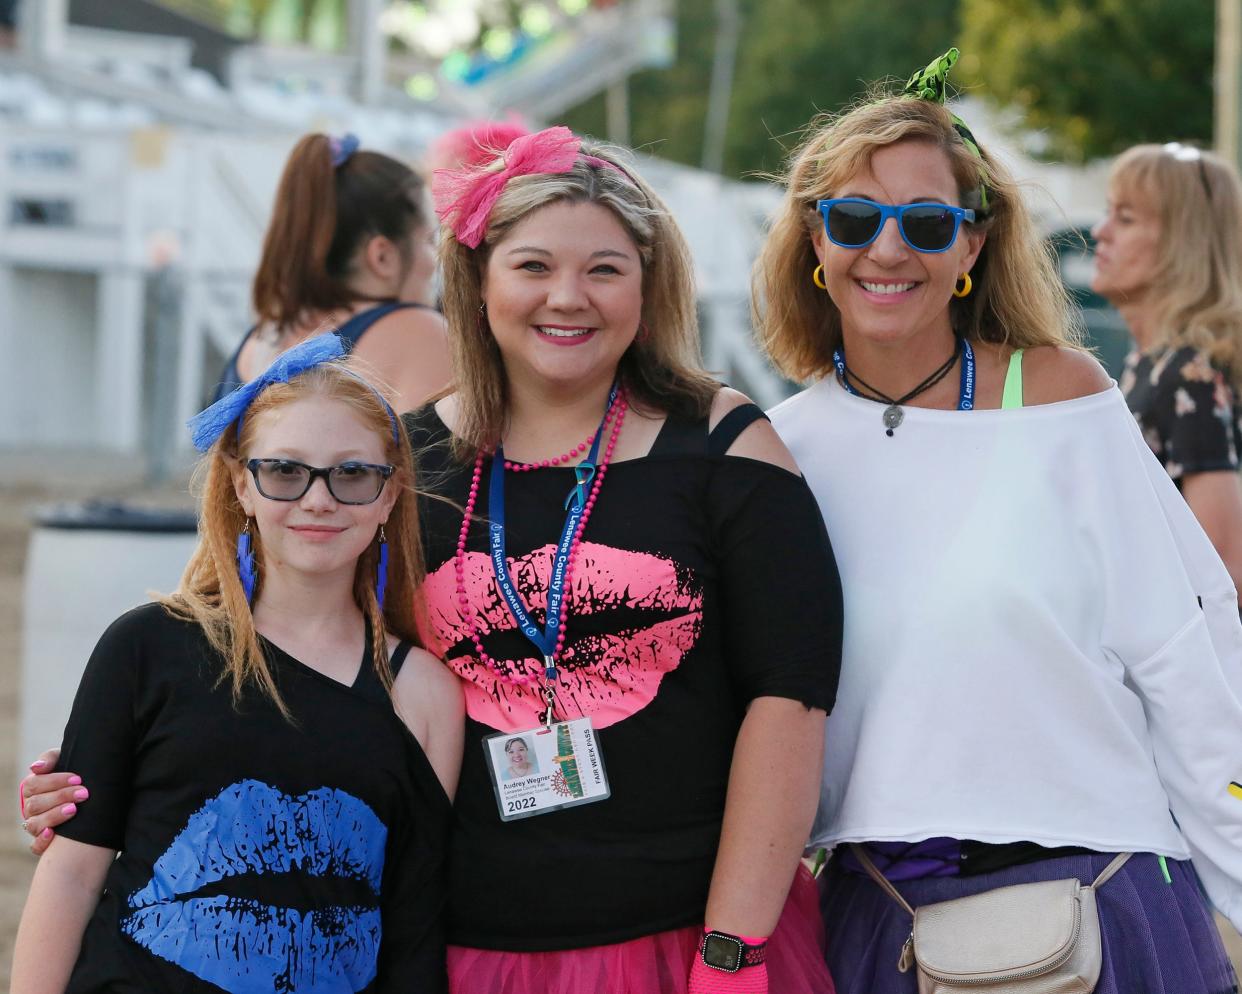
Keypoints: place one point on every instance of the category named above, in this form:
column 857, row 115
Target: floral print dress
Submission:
column 1186, row 408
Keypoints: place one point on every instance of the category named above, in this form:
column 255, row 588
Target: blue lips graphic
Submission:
column 243, row 945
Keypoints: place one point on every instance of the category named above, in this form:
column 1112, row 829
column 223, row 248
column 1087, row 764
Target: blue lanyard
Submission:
column 575, row 504
column 966, row 393
column 966, row 390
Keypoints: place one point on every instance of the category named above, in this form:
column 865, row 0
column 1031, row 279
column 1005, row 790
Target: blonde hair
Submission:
column 210, row 592
column 661, row 370
column 1196, row 294
column 1018, row 297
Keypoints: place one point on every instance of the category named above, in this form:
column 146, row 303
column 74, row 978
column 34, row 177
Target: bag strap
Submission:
column 1108, row 871
column 861, row 855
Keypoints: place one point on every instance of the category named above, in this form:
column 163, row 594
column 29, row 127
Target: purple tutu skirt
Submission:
column 653, row 964
column 1157, row 937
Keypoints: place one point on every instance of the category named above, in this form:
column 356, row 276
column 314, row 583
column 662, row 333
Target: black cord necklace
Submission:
column 893, row 414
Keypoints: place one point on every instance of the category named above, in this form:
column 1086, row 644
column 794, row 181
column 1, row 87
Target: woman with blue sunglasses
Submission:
column 1037, row 676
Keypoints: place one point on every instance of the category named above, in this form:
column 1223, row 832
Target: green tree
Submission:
column 792, row 65
column 793, row 61
column 321, row 23
column 667, row 106
column 1096, row 76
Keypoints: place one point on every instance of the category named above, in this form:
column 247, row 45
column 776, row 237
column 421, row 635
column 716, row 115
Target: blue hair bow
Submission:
column 207, row 426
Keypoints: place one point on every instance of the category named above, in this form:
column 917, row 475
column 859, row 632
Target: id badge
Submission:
column 545, row 769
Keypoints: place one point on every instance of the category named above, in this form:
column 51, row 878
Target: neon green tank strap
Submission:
column 1012, row 396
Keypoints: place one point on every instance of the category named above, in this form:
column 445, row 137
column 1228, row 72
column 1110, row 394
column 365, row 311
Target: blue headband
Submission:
column 343, row 149
column 207, row 426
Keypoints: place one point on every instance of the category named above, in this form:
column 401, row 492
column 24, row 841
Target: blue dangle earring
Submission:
column 381, row 570
column 245, row 562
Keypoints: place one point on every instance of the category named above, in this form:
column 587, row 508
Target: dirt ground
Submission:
column 16, row 506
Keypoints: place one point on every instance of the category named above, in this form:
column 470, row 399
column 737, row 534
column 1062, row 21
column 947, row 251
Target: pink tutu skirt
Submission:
column 653, row 964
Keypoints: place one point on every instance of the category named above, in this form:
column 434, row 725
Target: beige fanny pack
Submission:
column 1039, row 938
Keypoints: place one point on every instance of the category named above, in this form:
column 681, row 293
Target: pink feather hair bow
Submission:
column 465, row 197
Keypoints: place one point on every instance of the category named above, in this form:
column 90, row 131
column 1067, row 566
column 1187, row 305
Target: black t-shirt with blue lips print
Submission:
column 256, row 855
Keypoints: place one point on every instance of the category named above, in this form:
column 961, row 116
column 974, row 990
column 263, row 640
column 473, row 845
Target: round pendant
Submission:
column 893, row 417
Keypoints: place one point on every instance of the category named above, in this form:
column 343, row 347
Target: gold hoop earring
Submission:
column 964, row 286
column 817, row 277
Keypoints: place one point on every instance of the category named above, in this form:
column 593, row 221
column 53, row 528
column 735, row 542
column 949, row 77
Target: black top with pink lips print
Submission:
column 1186, row 408
column 703, row 582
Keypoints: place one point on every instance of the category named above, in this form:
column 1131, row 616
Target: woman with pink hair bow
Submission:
column 640, row 585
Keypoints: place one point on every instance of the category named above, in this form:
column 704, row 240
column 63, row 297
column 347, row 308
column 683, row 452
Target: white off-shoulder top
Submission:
column 1041, row 643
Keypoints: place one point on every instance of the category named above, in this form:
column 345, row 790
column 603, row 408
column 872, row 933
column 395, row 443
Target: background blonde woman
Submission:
column 1169, row 257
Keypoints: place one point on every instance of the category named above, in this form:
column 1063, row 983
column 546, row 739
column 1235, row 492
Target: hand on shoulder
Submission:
column 1051, row 373
column 759, row 441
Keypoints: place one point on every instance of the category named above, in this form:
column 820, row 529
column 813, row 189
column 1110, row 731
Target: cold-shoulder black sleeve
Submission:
column 780, row 589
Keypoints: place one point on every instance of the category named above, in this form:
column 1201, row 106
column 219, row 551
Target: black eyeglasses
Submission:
column 853, row 222
column 348, row 482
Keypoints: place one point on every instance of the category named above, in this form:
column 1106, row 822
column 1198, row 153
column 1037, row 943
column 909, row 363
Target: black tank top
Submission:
column 351, row 331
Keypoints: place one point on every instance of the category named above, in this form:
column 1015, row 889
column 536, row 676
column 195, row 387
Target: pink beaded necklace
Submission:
column 506, row 670
column 564, row 457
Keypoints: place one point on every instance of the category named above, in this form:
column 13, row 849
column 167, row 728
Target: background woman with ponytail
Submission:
column 350, row 247
column 269, row 750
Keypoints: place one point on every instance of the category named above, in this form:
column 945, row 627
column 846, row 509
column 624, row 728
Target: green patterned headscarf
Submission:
column 931, row 83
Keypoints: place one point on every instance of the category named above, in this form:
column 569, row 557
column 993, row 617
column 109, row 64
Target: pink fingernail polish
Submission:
column 69, row 809
column 74, row 780
column 81, row 794
column 45, row 834
column 37, row 765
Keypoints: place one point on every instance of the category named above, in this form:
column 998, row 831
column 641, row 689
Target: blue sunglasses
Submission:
column 852, row 222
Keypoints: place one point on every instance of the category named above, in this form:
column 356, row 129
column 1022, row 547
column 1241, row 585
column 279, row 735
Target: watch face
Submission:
column 722, row 952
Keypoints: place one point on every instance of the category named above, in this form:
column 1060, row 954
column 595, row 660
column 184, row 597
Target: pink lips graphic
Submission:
column 608, row 676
